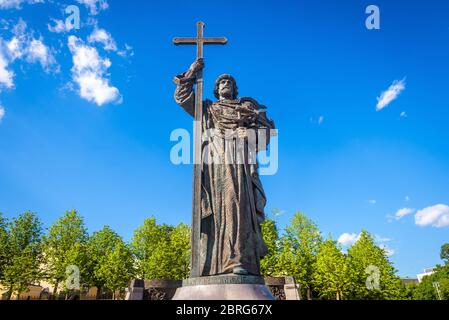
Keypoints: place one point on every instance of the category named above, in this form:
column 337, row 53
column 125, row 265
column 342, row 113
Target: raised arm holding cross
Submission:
column 199, row 41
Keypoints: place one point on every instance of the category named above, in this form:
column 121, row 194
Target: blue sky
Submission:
column 94, row 134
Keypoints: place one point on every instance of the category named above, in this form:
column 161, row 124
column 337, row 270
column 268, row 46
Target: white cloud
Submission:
column 95, row 6
column 89, row 73
column 60, row 26
column 372, row 201
column 103, row 37
column 407, row 198
column 278, row 212
column 15, row 49
column 38, row 51
column 435, row 216
column 382, row 239
column 404, row 114
column 24, row 45
column 403, row 212
column 127, row 52
column 347, row 239
column 320, row 120
column 2, row 112
column 16, row 4
column 6, row 76
column 388, row 251
column 390, row 94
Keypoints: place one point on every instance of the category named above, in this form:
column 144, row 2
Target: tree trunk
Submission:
column 55, row 290
column 98, row 293
column 338, row 295
column 309, row 293
column 9, row 293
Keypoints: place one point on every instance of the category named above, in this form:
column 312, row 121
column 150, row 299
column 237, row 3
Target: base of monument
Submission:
column 224, row 287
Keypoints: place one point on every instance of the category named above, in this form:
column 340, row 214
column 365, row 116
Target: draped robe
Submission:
column 232, row 197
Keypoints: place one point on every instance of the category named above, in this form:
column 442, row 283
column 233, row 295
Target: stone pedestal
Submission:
column 224, row 287
column 135, row 291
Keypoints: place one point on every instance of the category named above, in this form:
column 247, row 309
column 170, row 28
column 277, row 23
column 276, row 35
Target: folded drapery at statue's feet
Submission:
column 240, row 271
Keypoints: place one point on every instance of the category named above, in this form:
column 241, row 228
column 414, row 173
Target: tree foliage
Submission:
column 429, row 286
column 298, row 251
column 4, row 250
column 162, row 251
column 64, row 246
column 116, row 268
column 269, row 264
column 331, row 276
column 23, row 253
column 99, row 246
column 444, row 253
column 372, row 274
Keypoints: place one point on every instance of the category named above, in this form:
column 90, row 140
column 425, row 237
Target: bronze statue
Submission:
column 231, row 195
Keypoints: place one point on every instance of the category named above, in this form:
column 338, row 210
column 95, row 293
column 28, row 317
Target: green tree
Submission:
column 444, row 253
column 116, row 269
column 427, row 289
column 150, row 244
column 372, row 274
column 64, row 246
column 268, row 265
column 331, row 275
column 4, row 250
column 179, row 255
column 24, row 253
column 409, row 291
column 153, row 247
column 298, row 251
column 99, row 246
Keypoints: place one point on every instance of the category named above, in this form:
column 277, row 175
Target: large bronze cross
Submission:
column 199, row 41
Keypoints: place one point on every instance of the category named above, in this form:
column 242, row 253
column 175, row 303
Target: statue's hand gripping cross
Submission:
column 199, row 41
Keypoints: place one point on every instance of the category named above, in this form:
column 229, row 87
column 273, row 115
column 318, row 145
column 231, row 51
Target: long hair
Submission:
column 235, row 90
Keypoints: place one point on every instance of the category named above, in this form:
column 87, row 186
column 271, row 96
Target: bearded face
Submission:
column 226, row 89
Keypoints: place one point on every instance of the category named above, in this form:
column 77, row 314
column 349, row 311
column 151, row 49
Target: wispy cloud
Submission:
column 95, row 6
column 320, row 120
column 390, row 94
column 347, row 239
column 37, row 51
column 6, row 75
column 435, row 216
column 16, row 4
column 372, row 201
column 278, row 212
column 127, row 52
column 403, row 212
column 58, row 27
column 2, row 112
column 104, row 37
column 403, row 114
column 382, row 239
column 388, row 251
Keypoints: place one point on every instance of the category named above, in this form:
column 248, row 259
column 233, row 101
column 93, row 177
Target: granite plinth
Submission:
column 224, row 287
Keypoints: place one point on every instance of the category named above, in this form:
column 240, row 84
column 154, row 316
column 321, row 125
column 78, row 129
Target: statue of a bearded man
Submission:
column 232, row 198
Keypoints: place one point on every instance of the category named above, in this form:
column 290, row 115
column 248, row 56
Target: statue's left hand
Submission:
column 241, row 132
